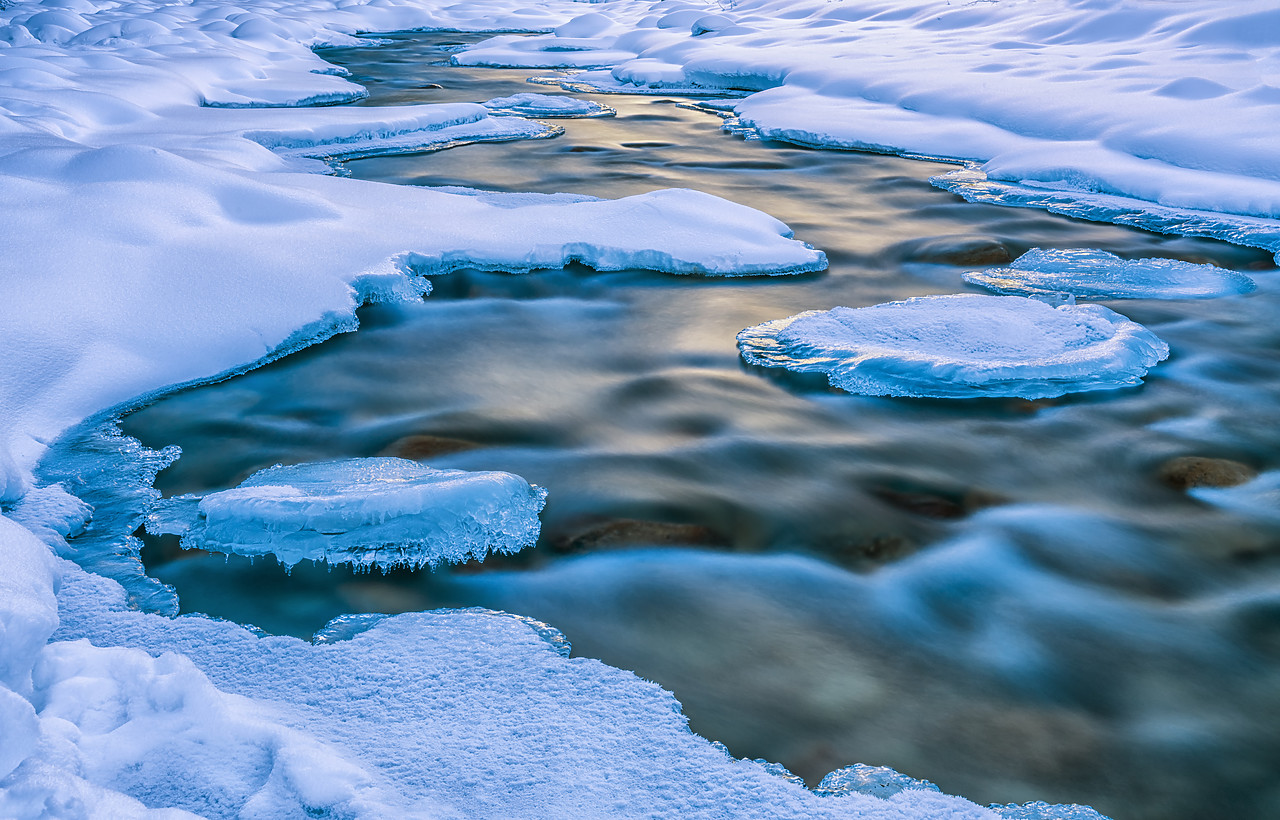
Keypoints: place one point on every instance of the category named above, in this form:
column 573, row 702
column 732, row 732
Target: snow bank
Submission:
column 444, row 714
column 369, row 512
column 1091, row 274
column 191, row 240
column 960, row 346
column 1168, row 105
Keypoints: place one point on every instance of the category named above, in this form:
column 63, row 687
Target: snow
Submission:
column 370, row 512
column 1091, row 274
column 438, row 714
column 960, row 346
column 1077, row 97
column 165, row 224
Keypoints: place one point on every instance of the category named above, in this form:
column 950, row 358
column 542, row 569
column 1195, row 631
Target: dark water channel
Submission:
column 1084, row 631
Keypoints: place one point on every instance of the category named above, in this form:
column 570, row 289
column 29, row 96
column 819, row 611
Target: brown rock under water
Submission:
column 628, row 532
column 959, row 250
column 420, row 447
column 1187, row 472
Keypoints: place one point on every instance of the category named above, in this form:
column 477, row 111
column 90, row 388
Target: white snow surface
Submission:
column 164, row 224
column 1170, row 103
column 368, row 512
column 960, row 346
column 1093, row 274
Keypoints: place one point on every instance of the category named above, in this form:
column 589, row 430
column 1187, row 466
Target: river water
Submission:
column 1009, row 598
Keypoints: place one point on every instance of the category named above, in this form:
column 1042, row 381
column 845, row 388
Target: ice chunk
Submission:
column 1045, row 811
column 879, row 781
column 547, row 105
column 1093, row 274
column 976, row 185
column 960, row 346
column 365, row 511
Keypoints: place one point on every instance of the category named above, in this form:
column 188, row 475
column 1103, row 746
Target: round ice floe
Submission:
column 365, row 511
column 960, row 346
column 547, row 106
column 1091, row 274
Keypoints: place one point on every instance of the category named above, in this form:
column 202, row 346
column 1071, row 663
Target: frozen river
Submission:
column 1016, row 600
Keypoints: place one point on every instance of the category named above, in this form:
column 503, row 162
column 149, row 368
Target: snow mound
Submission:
column 960, row 346
column 367, row 511
column 1092, row 274
column 547, row 106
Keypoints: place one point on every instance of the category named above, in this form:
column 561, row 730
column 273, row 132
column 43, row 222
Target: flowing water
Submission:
column 1010, row 598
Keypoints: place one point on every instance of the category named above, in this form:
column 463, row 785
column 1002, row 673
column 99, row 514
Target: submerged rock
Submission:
column 421, row 446
column 626, row 532
column 959, row 250
column 1186, row 472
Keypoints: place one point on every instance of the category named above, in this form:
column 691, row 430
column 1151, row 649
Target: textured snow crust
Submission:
column 1091, row 274
column 960, row 346
column 368, row 512
column 446, row 714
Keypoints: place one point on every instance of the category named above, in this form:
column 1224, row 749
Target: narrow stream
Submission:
column 837, row 578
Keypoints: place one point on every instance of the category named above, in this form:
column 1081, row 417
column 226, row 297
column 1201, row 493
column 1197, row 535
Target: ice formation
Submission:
column 880, row 781
column 547, row 106
column 960, row 346
column 368, row 512
column 1092, row 274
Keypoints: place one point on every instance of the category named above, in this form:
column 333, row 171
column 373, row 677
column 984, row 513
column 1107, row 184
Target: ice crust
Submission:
column 960, row 346
column 880, row 781
column 1093, row 274
column 547, row 106
column 370, row 512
